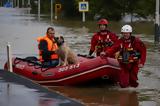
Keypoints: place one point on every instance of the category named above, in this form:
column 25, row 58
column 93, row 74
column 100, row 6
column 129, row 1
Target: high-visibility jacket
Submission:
column 51, row 46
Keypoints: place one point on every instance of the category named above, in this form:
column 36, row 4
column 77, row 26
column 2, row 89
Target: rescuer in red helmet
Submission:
column 103, row 39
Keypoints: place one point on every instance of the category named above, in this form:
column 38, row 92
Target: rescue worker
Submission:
column 132, row 56
column 103, row 39
column 47, row 47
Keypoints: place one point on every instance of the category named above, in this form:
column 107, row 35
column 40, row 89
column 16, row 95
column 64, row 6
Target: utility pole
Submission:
column 39, row 9
column 51, row 10
column 157, row 27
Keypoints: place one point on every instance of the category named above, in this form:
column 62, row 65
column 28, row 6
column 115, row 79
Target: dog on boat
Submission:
column 66, row 55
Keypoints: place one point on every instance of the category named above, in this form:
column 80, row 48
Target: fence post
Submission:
column 9, row 57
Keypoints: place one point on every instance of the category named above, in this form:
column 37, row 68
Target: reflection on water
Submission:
column 18, row 95
column 101, row 96
column 111, row 96
column 22, row 29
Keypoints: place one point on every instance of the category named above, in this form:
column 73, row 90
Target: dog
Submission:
column 66, row 55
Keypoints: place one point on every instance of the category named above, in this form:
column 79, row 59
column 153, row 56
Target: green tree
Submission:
column 145, row 8
column 110, row 9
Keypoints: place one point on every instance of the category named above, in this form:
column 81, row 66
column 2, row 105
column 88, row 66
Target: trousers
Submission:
column 128, row 75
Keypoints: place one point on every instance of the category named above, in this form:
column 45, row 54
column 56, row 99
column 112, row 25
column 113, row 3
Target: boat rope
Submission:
column 30, row 62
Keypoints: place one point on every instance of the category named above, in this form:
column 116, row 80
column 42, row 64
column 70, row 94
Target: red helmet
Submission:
column 103, row 21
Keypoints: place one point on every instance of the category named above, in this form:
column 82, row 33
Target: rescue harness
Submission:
column 128, row 55
column 101, row 44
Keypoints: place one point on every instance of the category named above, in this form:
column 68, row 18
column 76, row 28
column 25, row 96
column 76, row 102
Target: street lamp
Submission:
column 157, row 28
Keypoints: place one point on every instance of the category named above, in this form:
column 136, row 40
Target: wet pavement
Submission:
column 18, row 91
column 21, row 30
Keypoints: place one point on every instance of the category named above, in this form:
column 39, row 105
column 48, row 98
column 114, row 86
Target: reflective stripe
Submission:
column 130, row 53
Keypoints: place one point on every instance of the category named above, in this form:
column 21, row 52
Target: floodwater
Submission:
column 21, row 29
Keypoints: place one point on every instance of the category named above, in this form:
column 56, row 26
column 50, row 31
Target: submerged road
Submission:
column 21, row 29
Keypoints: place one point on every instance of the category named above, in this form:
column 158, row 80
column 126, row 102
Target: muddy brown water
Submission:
column 21, row 29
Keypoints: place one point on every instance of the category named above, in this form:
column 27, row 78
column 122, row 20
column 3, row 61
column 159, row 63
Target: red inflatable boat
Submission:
column 85, row 70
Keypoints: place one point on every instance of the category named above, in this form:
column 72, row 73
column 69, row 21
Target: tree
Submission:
column 110, row 9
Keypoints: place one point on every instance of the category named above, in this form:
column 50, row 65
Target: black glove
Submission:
column 90, row 52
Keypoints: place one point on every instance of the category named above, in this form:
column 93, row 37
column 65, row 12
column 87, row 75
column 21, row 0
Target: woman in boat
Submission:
column 47, row 47
column 132, row 56
column 103, row 39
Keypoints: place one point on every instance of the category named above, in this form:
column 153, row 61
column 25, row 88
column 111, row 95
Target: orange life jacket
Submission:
column 51, row 45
